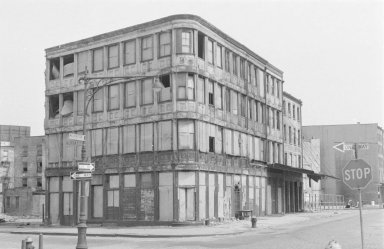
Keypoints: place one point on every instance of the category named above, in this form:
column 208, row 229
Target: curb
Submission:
column 129, row 235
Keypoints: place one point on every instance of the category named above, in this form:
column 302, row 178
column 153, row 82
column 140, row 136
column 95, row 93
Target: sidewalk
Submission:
column 235, row 227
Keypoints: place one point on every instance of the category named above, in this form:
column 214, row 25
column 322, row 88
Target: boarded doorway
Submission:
column 187, row 204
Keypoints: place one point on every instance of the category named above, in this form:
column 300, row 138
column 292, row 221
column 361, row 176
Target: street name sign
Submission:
column 349, row 146
column 357, row 174
column 80, row 175
column 84, row 166
column 77, row 137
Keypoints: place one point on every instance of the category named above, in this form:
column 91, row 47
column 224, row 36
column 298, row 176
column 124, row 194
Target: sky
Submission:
column 331, row 52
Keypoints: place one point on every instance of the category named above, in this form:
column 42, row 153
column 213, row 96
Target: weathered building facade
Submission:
column 332, row 161
column 201, row 148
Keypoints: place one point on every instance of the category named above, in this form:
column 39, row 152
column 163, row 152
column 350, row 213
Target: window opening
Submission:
column 54, row 106
column 54, row 69
column 211, row 144
column 165, row 93
column 201, row 45
column 68, row 65
column 67, row 108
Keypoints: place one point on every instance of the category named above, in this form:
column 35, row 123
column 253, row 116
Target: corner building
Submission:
column 198, row 149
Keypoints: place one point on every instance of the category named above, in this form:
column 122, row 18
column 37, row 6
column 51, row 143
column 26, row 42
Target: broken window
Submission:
column 54, row 106
column 185, row 86
column 200, row 90
column 201, row 45
column 67, row 108
column 25, row 182
column 130, row 94
column 98, row 60
column 68, row 62
column 113, row 56
column 210, row 93
column 113, row 97
column 39, row 168
column 147, row 91
column 39, row 182
column 25, row 167
column 54, row 70
column 219, row 61
column 82, row 61
column 186, row 136
column 211, row 144
column 164, row 44
column 165, row 93
column 130, row 52
column 147, row 48
column 210, row 51
column 98, row 100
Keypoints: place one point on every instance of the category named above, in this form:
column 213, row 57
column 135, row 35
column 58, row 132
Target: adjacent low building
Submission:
column 332, row 160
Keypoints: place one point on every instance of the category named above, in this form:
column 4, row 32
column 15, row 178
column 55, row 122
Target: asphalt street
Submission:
column 312, row 234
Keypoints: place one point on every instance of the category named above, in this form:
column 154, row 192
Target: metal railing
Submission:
column 318, row 202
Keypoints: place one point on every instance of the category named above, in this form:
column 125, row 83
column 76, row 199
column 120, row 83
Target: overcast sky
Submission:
column 331, row 52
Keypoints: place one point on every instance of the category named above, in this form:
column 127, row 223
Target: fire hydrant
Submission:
column 28, row 243
column 333, row 244
column 253, row 221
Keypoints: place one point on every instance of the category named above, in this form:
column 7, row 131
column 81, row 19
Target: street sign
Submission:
column 349, row 146
column 80, row 175
column 84, row 166
column 77, row 137
column 357, row 174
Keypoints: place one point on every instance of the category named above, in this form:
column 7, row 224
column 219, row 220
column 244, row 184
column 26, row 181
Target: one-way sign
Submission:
column 349, row 146
column 84, row 166
column 80, row 175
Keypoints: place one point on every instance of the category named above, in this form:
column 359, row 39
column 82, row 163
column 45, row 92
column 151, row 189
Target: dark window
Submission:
column 201, row 45
column 54, row 70
column 210, row 93
column 54, row 106
column 25, row 182
column 211, row 144
column 165, row 93
column 39, row 183
column 39, row 168
column 25, row 167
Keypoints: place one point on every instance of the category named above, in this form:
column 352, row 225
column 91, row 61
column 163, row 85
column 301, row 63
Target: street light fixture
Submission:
column 96, row 84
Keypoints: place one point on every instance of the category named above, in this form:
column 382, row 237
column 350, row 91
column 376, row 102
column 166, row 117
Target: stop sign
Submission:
column 357, row 174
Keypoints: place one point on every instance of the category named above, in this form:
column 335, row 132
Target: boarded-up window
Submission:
column 146, row 137
column 203, row 136
column 218, row 96
column 129, row 140
column 164, row 44
column 97, row 142
column 130, row 52
column 185, row 86
column 54, row 147
column 98, row 99
column 227, row 100
column 80, row 102
column 236, row 143
column 260, row 81
column 130, row 181
column 219, row 61
column 210, row 51
column 113, row 97
column 186, row 130
column 234, row 102
column 68, row 150
column 146, row 91
column 257, row 148
column 54, row 184
column 262, row 146
column 113, row 198
column 98, row 59
column 67, row 203
column 112, row 140
column 82, row 61
column 165, row 135
column 113, row 56
column 130, row 94
column 243, row 144
column 146, row 180
column 147, row 48
column 227, row 59
column 200, row 90
column 234, row 64
column 218, row 139
column 228, row 141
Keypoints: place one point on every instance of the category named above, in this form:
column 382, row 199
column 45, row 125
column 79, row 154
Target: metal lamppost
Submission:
column 96, row 84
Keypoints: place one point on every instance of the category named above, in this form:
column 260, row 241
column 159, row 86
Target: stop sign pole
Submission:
column 357, row 174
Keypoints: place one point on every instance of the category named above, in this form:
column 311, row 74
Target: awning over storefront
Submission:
column 310, row 173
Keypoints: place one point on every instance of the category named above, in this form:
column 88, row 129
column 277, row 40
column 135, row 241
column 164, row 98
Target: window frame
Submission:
column 142, row 48
column 125, row 52
column 118, row 97
column 165, row 44
column 118, row 55
column 102, row 59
